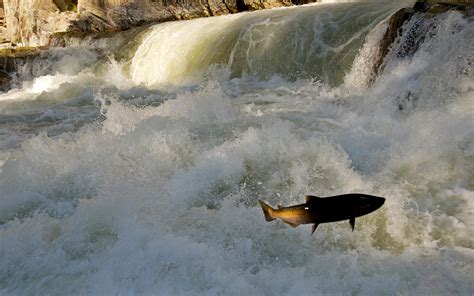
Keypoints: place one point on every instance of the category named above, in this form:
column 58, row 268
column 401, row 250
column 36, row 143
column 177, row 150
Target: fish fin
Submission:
column 291, row 224
column 352, row 221
column 279, row 206
column 266, row 211
column 310, row 198
column 315, row 225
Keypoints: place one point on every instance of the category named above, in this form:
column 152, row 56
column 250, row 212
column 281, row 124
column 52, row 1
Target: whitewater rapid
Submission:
column 132, row 165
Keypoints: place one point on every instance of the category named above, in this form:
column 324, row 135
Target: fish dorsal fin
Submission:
column 310, row 198
column 279, row 206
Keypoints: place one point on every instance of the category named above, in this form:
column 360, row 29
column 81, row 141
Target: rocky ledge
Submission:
column 34, row 27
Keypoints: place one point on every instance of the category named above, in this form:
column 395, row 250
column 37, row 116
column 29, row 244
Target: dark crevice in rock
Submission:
column 301, row 2
column 241, row 6
column 209, row 9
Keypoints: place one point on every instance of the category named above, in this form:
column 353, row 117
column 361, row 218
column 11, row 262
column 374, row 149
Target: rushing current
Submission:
column 132, row 165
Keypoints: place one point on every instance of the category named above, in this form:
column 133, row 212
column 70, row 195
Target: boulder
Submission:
column 30, row 22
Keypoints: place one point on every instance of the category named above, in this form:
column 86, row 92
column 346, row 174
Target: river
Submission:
column 132, row 165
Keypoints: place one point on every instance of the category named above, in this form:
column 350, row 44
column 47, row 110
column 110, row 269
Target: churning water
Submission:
column 132, row 165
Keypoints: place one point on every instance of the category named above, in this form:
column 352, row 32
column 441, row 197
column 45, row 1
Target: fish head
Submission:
column 367, row 204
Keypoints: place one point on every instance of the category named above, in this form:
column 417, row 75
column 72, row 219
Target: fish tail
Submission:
column 267, row 211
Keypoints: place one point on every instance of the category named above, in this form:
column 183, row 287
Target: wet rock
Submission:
column 5, row 81
column 11, row 60
column 393, row 31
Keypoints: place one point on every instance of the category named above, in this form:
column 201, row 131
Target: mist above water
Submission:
column 138, row 173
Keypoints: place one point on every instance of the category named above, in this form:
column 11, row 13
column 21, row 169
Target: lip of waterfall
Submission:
column 318, row 42
column 116, row 183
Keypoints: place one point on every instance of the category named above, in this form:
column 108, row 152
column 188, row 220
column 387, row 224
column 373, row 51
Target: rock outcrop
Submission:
column 117, row 15
column 3, row 28
column 31, row 22
column 34, row 27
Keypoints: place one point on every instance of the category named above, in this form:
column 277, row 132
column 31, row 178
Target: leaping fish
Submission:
column 319, row 210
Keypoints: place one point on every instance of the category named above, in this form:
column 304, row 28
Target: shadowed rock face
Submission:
column 5, row 81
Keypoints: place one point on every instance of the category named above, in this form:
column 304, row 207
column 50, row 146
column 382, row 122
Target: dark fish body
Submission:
column 319, row 210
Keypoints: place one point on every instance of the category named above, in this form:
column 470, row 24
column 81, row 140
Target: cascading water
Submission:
column 139, row 174
column 303, row 42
